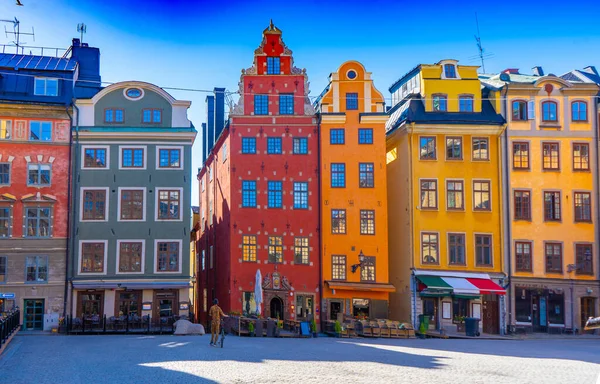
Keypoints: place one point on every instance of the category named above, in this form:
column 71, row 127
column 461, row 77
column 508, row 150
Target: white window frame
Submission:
column 144, row 205
column 145, row 160
column 156, row 207
column 81, row 201
column 118, row 258
column 156, row 241
column 45, row 79
column 105, row 147
column 80, row 258
column 451, row 62
column 181, row 157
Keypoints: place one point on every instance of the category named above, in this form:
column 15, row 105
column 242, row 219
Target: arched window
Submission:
column 549, row 109
column 579, row 111
column 450, row 71
column 519, row 110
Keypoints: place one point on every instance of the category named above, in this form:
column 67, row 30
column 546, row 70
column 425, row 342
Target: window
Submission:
column 300, row 195
column 428, row 194
column 3, row 269
column 556, row 306
column 5, row 222
column 522, row 205
column 168, row 256
column 132, row 204
column 211, row 259
column 92, row 257
column 224, row 152
column 523, row 305
column 351, row 101
column 583, row 206
column 365, row 136
column 581, row 157
column 579, row 111
column 94, row 204
column 365, row 175
column 249, row 194
column 169, row 158
column 36, row 269
column 456, row 248
column 94, row 158
column 552, row 206
column 152, row 116
column 274, row 193
column 520, row 155
column 449, row 71
column 480, row 148
column 261, row 104
column 4, row 173
column 460, row 309
column 248, row 304
column 519, row 110
column 169, row 202
column 551, row 156
column 549, row 111
column 483, row 250
column 584, row 260
column 113, row 115
column 440, row 103
column 39, row 174
column 130, row 257
column 274, row 145
column 5, row 129
column 249, row 248
column 286, row 104
column 275, row 249
column 337, row 136
column 453, row 148
column 367, row 269
column 429, row 248
column 301, row 250
column 38, row 222
column 553, row 254
column 523, row 256
column 132, row 158
column 45, row 87
column 338, row 175
column 427, row 148
column 455, row 194
column 465, row 103
column 273, row 66
column 481, row 195
column 248, row 145
column 300, row 145
column 338, row 265
column 40, row 131
column 338, row 221
column 367, row 222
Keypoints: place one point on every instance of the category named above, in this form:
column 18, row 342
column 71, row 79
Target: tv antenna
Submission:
column 16, row 32
column 81, row 28
column 481, row 55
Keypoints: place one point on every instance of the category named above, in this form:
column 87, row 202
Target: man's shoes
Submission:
column 212, row 344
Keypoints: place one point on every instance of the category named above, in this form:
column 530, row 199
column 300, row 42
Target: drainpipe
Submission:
column 413, row 281
column 320, row 224
column 69, row 221
column 507, row 210
column 73, row 192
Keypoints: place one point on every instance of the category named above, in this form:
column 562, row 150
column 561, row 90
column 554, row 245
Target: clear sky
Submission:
column 205, row 44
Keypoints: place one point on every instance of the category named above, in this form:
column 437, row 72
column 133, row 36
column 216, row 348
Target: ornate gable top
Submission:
column 272, row 29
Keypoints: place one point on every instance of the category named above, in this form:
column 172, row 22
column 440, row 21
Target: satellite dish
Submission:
column 504, row 77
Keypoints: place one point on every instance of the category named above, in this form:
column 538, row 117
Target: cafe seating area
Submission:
column 132, row 323
column 383, row 328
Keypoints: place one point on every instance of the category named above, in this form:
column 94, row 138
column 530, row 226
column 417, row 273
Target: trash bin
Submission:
column 472, row 326
column 423, row 323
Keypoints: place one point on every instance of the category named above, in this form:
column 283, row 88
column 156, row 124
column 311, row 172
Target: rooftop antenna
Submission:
column 16, row 32
column 479, row 47
column 81, row 28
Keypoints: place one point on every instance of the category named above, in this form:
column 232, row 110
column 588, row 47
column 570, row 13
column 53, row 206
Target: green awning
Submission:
column 434, row 282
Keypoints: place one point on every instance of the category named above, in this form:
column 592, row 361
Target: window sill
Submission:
column 550, row 125
column 527, row 220
column 583, row 222
column 457, row 210
column 36, row 282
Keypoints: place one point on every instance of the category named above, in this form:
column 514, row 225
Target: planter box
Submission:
column 460, row 327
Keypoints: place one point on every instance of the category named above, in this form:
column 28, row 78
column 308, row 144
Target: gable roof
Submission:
column 38, row 63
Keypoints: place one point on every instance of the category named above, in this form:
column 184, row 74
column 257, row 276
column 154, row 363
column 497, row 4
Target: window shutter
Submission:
column 531, row 110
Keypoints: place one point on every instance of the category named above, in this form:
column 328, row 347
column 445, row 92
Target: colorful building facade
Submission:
column 259, row 203
column 445, row 199
column 353, row 225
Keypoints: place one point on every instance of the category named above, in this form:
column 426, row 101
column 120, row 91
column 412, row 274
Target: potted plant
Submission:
column 313, row 327
column 338, row 328
column 460, row 323
column 251, row 329
column 279, row 326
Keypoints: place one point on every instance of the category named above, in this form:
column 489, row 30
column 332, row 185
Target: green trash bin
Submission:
column 423, row 323
column 472, row 326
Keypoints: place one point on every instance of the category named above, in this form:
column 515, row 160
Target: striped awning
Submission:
column 458, row 286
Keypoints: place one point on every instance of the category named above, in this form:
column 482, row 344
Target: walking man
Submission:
column 215, row 313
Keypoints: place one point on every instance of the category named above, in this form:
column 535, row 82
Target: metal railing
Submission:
column 96, row 324
column 9, row 324
column 31, row 50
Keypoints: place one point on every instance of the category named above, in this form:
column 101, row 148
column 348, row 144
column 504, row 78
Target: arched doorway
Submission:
column 276, row 307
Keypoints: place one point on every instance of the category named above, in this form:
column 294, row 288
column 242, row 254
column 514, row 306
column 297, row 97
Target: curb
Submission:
column 5, row 345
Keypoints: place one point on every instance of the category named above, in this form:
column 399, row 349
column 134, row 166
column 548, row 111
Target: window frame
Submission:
column 37, row 259
column 82, row 192
column 170, row 149
column 284, row 104
column 39, row 175
column 156, row 255
column 120, row 204
column 9, row 219
column 461, row 148
column 3, row 269
column 9, row 174
column 152, row 111
column 578, row 262
column 556, row 214
column 577, row 218
column 81, row 255
column 300, row 146
column 340, row 213
column 365, row 136
column 133, row 149
column 277, row 197
column 304, row 249
column 429, row 242
column 580, row 157
column 368, row 265
column 487, row 151
column 523, row 214
column 142, row 256
column 483, row 246
column 248, row 149
column 303, row 195
column 41, row 136
column 249, row 249
column 551, row 145
column 45, row 80
column 520, row 156
column 273, row 65
column 454, row 191
column 579, row 120
column 523, row 255
column 248, row 191
column 6, row 130
column 428, row 190
column 442, row 101
column 272, row 149
column 351, row 99
column 455, row 245
column 452, row 72
column 95, row 148
column 549, row 103
column 38, row 219
column 489, row 191
column 366, row 173
column 462, row 98
column 336, row 261
column 114, row 115
column 428, row 140
column 335, row 134
column 367, row 222
column 157, row 201
column 275, row 247
column 261, row 101
column 335, row 175
column 561, row 256
column 521, row 103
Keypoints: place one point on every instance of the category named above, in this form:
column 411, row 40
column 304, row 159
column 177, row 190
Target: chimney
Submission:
column 591, row 69
column 511, row 71
column 88, row 81
column 210, row 123
column 219, row 119
column 204, row 141
column 537, row 71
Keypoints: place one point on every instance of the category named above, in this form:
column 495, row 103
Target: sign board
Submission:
column 7, row 295
column 304, row 328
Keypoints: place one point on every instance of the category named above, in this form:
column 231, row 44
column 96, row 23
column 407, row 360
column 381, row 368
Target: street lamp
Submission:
column 361, row 259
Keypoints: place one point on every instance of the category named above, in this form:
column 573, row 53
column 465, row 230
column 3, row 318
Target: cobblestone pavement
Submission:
column 187, row 359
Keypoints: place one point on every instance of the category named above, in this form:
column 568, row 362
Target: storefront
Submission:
column 356, row 300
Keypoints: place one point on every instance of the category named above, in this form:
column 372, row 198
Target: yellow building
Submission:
column 551, row 158
column 445, row 199
column 353, row 196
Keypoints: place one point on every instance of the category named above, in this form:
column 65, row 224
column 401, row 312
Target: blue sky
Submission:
column 205, row 44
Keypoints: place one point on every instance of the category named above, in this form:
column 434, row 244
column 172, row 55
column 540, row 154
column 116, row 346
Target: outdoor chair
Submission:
column 393, row 327
column 351, row 329
column 384, row 330
column 367, row 330
column 375, row 329
column 344, row 332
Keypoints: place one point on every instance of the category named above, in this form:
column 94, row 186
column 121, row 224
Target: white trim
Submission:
column 133, row 98
column 464, row 195
column 143, row 205
column 81, row 201
column 105, row 147
column 181, row 157
column 156, row 207
column 473, row 181
column 145, row 159
column 155, row 256
column 451, row 62
column 118, row 256
column 80, row 257
column 439, row 253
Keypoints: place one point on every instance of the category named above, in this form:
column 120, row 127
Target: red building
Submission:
column 259, row 201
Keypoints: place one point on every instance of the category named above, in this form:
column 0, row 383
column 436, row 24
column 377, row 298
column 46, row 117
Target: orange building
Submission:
column 354, row 232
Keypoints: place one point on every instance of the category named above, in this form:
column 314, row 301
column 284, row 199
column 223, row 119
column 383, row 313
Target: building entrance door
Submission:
column 304, row 307
column 587, row 311
column 491, row 318
column 430, row 309
column 335, row 308
column 34, row 314
column 276, row 307
column 165, row 306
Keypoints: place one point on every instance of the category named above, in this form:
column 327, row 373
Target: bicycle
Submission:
column 222, row 333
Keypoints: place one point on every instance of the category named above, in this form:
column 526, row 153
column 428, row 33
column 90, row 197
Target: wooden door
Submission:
column 491, row 315
column 587, row 311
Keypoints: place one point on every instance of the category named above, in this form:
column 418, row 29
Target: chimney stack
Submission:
column 537, row 71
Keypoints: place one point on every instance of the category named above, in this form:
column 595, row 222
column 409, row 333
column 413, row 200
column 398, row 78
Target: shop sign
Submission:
column 7, row 295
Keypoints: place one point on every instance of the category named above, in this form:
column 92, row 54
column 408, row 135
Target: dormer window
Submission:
column 152, row 116
column 113, row 115
column 273, row 66
column 440, row 103
column 450, row 71
column 45, row 87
